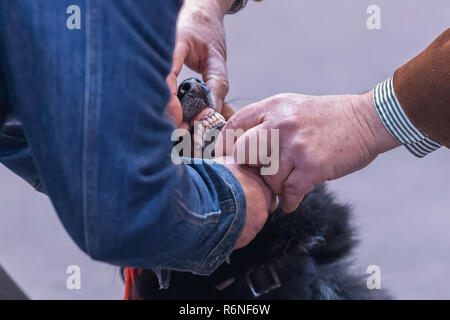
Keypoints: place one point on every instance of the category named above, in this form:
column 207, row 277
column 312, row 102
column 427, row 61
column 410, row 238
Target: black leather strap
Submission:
column 261, row 280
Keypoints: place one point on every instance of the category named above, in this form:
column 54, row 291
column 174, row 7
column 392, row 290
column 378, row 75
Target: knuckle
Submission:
column 290, row 96
column 278, row 98
column 291, row 188
column 274, row 183
column 233, row 122
column 290, row 123
column 225, row 84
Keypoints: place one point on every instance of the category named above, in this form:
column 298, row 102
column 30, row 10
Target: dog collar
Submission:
column 260, row 280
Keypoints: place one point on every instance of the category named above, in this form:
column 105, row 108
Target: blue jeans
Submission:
column 94, row 138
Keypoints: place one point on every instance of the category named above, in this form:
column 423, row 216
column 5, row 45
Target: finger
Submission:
column 246, row 118
column 227, row 111
column 180, row 53
column 219, row 88
column 236, row 126
column 173, row 109
column 184, row 125
column 215, row 75
column 252, row 148
column 171, row 81
column 269, row 196
column 177, row 134
column 274, row 203
column 285, row 168
column 294, row 189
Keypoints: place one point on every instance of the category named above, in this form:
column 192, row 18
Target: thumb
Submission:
column 251, row 148
column 227, row 111
column 294, row 189
column 173, row 109
column 180, row 52
column 274, row 203
column 215, row 75
column 237, row 125
column 219, row 88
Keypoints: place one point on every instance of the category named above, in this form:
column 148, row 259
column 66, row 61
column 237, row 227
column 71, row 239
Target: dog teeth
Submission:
column 197, row 138
column 212, row 120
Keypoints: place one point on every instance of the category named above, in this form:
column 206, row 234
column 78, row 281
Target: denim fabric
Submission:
column 91, row 103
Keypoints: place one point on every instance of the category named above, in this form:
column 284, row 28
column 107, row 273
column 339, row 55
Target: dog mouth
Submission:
column 199, row 111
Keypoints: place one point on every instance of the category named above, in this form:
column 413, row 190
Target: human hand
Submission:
column 320, row 138
column 200, row 44
column 260, row 200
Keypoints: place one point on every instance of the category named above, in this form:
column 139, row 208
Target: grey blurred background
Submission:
column 401, row 204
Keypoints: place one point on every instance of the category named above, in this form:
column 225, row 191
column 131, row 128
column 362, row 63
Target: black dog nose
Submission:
column 193, row 86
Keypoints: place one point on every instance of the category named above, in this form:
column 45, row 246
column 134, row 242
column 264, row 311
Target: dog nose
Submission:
column 194, row 87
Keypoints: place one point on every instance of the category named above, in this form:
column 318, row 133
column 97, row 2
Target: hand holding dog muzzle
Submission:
column 200, row 44
column 321, row 138
column 198, row 110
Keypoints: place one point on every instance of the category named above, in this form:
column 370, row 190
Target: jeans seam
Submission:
column 89, row 123
column 85, row 130
column 191, row 216
column 206, row 265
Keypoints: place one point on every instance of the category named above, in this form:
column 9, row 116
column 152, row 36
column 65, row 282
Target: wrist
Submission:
column 225, row 5
column 217, row 8
column 374, row 133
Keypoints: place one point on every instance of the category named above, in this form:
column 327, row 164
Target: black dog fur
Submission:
column 318, row 232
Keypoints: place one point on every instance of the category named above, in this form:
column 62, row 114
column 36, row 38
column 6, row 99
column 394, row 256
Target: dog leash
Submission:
column 130, row 280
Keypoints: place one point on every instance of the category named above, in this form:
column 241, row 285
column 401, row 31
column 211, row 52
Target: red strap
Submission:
column 130, row 278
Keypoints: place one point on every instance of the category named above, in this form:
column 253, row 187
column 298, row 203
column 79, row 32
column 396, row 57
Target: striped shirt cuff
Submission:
column 397, row 122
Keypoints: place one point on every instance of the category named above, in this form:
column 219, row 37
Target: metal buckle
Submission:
column 271, row 270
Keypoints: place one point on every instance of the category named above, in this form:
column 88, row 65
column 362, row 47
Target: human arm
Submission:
column 201, row 45
column 325, row 138
column 93, row 117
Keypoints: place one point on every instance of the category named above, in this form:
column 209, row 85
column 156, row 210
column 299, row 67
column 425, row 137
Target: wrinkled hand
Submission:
column 200, row 44
column 260, row 200
column 320, row 138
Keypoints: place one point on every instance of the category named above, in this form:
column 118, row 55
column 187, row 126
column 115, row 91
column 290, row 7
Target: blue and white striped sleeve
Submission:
column 397, row 122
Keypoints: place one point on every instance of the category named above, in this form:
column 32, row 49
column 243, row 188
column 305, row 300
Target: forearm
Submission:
column 413, row 105
column 422, row 89
column 191, row 224
column 95, row 125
